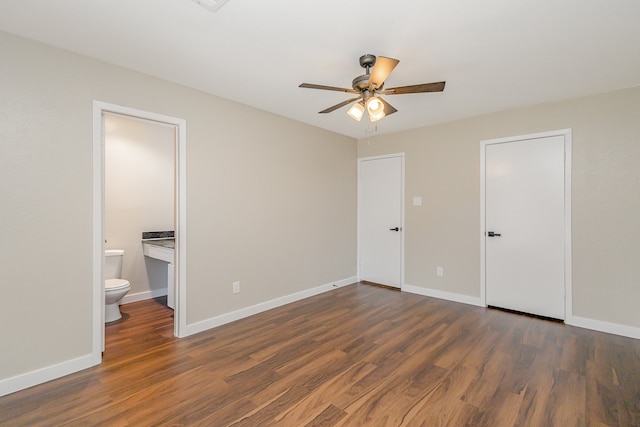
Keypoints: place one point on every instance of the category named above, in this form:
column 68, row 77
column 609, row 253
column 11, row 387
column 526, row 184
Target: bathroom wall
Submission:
column 139, row 196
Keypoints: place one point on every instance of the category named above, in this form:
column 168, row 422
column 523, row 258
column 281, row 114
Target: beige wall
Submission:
column 139, row 195
column 443, row 166
column 270, row 202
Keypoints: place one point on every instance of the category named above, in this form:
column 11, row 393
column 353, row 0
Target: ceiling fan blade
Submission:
column 388, row 108
column 323, row 87
column 342, row 104
column 381, row 70
column 427, row 87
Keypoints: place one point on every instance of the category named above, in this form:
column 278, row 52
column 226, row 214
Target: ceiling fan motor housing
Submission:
column 361, row 82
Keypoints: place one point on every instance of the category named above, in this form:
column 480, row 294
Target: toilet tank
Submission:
column 113, row 263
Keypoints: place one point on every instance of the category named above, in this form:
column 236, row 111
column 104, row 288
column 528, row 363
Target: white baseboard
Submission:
column 141, row 296
column 599, row 325
column 581, row 322
column 449, row 296
column 223, row 319
column 39, row 376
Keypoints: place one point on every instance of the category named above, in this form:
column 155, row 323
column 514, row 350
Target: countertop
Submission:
column 165, row 243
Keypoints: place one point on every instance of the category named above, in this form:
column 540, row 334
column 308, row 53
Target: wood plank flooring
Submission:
column 356, row 356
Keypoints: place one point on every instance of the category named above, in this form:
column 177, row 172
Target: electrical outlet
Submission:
column 236, row 287
column 440, row 272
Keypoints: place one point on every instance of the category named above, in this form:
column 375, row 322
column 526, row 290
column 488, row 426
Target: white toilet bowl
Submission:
column 115, row 288
column 114, row 291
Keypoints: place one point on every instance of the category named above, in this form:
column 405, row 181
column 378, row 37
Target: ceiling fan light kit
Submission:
column 356, row 111
column 369, row 86
column 375, row 109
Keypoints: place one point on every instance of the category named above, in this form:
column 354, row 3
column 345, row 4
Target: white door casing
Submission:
column 381, row 219
column 526, row 265
column 180, row 314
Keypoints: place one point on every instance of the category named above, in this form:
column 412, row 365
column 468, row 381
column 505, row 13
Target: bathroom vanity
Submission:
column 163, row 249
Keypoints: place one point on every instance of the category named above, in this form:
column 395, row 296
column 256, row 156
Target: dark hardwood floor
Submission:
column 359, row 355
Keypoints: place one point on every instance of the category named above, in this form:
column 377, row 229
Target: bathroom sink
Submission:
column 159, row 250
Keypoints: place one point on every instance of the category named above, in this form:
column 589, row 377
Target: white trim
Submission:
column 568, row 263
column 39, row 376
column 180, row 315
column 141, row 296
column 180, row 262
column 580, row 322
column 97, row 343
column 402, row 211
column 449, row 296
column 223, row 319
column 483, row 256
column 607, row 327
column 566, row 133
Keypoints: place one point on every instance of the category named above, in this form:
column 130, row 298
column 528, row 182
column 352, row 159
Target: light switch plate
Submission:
column 417, row 201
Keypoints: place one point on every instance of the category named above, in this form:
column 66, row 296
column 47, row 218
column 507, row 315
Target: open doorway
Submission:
column 139, row 206
column 100, row 112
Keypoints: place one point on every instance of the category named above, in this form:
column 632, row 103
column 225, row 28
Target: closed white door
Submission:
column 524, row 223
column 380, row 220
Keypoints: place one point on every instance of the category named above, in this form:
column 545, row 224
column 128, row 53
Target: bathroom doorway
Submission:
column 140, row 202
column 107, row 119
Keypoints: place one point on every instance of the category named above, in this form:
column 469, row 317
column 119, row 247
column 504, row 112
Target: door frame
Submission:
column 358, row 232
column 566, row 133
column 180, row 312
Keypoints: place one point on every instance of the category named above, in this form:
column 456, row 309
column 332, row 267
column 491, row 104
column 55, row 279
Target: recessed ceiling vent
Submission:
column 211, row 5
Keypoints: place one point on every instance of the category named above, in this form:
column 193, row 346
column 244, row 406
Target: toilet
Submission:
column 115, row 288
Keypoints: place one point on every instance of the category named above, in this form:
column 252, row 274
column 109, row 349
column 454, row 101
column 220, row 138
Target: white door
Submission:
column 380, row 220
column 524, row 223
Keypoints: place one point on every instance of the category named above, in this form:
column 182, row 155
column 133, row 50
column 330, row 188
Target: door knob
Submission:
column 395, row 229
column 492, row 234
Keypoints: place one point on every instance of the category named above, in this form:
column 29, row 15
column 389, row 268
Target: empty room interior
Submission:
column 232, row 212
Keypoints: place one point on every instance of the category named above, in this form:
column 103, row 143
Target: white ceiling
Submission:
column 493, row 54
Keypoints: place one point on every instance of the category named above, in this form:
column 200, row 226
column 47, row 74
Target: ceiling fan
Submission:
column 370, row 86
